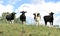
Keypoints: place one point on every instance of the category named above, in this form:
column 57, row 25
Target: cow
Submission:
column 49, row 18
column 23, row 17
column 10, row 17
column 37, row 17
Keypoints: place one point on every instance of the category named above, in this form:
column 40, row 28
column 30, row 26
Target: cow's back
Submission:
column 46, row 18
column 9, row 17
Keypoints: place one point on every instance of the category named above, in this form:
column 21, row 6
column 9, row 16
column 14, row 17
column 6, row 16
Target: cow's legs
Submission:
column 12, row 21
column 8, row 21
column 36, row 23
column 45, row 23
column 52, row 22
column 23, row 22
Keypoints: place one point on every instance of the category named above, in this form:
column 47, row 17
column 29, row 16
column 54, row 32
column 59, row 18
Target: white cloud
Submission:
column 43, row 8
column 7, row 8
column 27, row 7
column 37, row 2
column 51, row 7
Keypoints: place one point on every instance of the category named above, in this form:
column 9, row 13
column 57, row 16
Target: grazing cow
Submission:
column 10, row 17
column 23, row 17
column 37, row 17
column 49, row 18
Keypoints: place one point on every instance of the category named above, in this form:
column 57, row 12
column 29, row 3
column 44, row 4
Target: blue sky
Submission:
column 54, row 1
column 20, row 2
column 16, row 4
column 44, row 7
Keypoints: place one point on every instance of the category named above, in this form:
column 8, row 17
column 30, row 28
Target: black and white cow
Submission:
column 23, row 17
column 49, row 18
column 37, row 17
column 10, row 17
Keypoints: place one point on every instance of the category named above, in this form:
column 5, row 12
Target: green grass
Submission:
column 16, row 29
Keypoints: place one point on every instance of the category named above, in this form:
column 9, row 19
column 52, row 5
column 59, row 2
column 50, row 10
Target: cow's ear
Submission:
column 14, row 13
column 51, row 13
column 11, row 13
column 33, row 13
column 25, row 12
column 21, row 12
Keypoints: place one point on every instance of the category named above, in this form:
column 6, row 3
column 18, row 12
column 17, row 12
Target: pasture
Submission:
column 15, row 30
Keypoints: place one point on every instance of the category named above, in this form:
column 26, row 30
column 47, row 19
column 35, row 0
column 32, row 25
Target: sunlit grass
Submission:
column 15, row 30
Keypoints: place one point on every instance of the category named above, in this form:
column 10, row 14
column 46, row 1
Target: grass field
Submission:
column 16, row 30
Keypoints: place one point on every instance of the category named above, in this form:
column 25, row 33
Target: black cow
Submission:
column 10, row 17
column 49, row 18
column 23, row 17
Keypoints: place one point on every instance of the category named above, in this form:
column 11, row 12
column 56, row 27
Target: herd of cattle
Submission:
column 37, row 17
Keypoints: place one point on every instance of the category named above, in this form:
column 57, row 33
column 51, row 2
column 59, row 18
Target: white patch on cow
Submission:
column 12, row 21
column 23, row 22
column 37, row 19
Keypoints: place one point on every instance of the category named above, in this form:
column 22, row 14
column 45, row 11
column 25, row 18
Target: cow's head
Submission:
column 23, row 12
column 51, row 13
column 13, row 13
column 36, row 14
